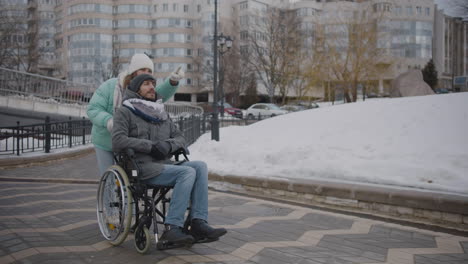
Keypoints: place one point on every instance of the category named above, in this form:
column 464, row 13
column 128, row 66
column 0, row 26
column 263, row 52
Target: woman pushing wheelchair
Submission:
column 143, row 125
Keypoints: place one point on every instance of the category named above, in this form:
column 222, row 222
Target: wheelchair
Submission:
column 119, row 195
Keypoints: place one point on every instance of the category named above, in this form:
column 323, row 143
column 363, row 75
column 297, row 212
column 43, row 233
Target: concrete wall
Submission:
column 43, row 106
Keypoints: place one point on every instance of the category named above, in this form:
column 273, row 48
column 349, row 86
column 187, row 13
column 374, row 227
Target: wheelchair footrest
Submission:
column 206, row 240
column 165, row 244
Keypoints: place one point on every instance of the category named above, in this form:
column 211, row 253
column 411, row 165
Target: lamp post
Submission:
column 214, row 119
column 218, row 45
column 224, row 45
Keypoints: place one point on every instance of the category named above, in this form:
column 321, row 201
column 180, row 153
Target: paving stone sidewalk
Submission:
column 46, row 222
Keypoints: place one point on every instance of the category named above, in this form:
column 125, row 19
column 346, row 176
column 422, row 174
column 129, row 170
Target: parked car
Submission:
column 264, row 110
column 292, row 108
column 229, row 109
column 307, row 104
column 441, row 91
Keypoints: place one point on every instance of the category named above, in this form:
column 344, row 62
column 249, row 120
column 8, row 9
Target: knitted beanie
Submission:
column 138, row 81
column 140, row 61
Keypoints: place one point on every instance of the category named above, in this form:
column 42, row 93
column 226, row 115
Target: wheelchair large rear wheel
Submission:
column 114, row 210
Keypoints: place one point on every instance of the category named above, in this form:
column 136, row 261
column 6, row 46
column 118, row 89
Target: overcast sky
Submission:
column 448, row 6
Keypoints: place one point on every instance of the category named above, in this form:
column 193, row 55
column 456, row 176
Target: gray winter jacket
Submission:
column 131, row 131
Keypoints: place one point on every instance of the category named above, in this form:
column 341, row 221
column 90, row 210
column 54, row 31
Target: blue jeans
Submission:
column 190, row 181
column 105, row 159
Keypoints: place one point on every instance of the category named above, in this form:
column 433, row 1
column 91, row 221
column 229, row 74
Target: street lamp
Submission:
column 224, row 45
column 214, row 119
column 218, row 44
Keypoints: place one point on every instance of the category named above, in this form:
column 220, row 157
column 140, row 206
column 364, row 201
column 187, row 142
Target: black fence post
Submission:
column 181, row 126
column 18, row 138
column 47, row 134
column 203, row 124
column 83, row 122
column 70, row 132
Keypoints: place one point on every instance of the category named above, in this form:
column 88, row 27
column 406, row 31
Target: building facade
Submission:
column 450, row 51
column 90, row 41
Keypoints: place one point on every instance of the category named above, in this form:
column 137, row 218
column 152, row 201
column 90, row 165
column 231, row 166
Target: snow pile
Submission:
column 419, row 142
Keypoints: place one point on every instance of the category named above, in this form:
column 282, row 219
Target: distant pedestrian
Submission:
column 108, row 98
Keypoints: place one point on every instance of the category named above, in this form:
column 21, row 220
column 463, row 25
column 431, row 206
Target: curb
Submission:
column 8, row 163
column 48, row 180
column 435, row 207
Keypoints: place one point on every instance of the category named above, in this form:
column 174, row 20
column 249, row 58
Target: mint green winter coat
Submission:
column 104, row 103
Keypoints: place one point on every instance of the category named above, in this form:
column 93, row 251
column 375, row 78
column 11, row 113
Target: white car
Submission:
column 264, row 110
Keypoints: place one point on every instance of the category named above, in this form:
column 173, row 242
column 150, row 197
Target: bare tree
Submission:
column 351, row 48
column 461, row 7
column 14, row 45
column 116, row 65
column 274, row 49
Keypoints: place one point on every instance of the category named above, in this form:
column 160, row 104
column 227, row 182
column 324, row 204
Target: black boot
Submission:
column 203, row 233
column 174, row 237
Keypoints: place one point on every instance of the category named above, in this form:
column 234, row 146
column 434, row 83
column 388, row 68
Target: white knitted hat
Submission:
column 140, row 61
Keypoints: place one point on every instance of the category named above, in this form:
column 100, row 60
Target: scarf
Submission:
column 149, row 111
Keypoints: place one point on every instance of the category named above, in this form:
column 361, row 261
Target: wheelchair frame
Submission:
column 119, row 194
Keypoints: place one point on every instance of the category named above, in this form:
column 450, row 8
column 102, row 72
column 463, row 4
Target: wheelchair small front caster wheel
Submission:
column 142, row 239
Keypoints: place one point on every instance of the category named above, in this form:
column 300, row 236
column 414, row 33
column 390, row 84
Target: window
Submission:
column 244, row 50
column 244, row 35
column 174, row 7
column 189, row 52
column 244, row 20
column 409, row 10
column 198, row 8
column 243, row 5
column 185, row 8
column 165, row 7
column 398, row 10
column 155, row 8
column 428, row 11
column 419, row 10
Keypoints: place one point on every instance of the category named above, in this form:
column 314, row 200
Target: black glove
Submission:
column 160, row 150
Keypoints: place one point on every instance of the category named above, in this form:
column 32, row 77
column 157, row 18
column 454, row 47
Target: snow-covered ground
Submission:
column 419, row 142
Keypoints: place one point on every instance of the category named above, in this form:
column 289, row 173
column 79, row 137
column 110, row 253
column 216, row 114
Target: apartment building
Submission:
column 450, row 51
column 27, row 34
column 91, row 41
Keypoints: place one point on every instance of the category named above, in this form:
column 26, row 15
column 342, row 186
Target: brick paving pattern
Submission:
column 56, row 223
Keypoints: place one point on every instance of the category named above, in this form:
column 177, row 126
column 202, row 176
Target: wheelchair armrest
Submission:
column 129, row 156
column 130, row 153
column 181, row 151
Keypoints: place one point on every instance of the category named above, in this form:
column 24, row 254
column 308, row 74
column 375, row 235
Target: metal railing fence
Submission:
column 44, row 137
column 19, row 139
column 54, row 91
column 40, row 87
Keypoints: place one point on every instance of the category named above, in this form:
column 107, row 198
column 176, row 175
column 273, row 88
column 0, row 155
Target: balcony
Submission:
column 32, row 4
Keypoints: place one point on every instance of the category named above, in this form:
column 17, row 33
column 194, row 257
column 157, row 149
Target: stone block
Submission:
column 278, row 192
column 429, row 214
column 401, row 210
column 453, row 218
column 465, row 219
column 341, row 202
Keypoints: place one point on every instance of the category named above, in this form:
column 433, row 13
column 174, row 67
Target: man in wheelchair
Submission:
column 143, row 125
